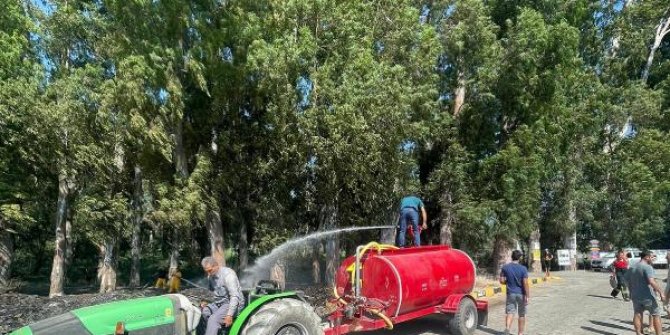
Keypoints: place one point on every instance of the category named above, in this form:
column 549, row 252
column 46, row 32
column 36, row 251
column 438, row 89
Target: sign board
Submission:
column 594, row 244
column 563, row 257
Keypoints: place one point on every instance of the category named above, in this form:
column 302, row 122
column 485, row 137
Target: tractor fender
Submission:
column 248, row 311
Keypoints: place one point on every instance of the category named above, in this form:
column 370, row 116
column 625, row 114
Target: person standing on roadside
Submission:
column 410, row 207
column 619, row 268
column 641, row 281
column 548, row 257
column 515, row 276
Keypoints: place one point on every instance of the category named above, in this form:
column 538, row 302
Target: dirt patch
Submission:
column 20, row 309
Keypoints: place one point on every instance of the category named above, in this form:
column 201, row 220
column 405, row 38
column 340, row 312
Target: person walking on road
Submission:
column 229, row 301
column 619, row 268
column 641, row 281
column 515, row 276
column 410, row 206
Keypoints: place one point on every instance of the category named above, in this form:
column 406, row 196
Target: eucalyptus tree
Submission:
column 169, row 46
column 18, row 87
column 66, row 111
column 469, row 64
column 356, row 76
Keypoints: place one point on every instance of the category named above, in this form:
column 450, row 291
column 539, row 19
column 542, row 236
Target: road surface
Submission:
column 579, row 303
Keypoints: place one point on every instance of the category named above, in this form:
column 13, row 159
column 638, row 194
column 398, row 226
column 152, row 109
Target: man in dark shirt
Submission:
column 515, row 276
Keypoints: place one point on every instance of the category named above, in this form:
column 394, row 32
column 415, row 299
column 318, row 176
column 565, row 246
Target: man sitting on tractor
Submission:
column 229, row 301
column 409, row 215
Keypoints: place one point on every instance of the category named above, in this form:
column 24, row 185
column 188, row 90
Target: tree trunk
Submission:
column 179, row 152
column 316, row 264
column 329, row 222
column 181, row 168
column 278, row 273
column 662, row 29
column 174, row 254
column 6, row 253
column 447, row 220
column 502, row 251
column 69, row 247
column 459, row 94
column 243, row 245
column 215, row 232
column 58, row 267
column 570, row 238
column 137, row 216
column 107, row 266
column 388, row 235
column 535, row 254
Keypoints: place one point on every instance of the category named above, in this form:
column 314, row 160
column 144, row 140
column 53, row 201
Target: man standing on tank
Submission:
column 515, row 276
column 410, row 206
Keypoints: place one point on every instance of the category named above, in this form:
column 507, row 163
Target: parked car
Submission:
column 660, row 261
column 634, row 256
column 606, row 259
column 604, row 262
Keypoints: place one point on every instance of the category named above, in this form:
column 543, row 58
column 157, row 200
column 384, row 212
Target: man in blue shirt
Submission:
column 409, row 214
column 515, row 276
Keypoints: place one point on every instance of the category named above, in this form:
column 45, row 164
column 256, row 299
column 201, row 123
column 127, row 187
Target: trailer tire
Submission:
column 465, row 320
column 284, row 317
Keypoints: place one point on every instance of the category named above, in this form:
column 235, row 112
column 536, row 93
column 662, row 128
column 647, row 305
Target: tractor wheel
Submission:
column 464, row 321
column 284, row 317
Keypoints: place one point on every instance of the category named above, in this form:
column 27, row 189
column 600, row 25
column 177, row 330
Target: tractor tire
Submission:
column 465, row 320
column 284, row 317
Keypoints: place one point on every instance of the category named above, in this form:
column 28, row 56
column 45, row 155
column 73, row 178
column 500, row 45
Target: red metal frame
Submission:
column 364, row 323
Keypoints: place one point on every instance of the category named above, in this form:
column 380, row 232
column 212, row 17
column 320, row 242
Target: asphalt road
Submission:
column 579, row 303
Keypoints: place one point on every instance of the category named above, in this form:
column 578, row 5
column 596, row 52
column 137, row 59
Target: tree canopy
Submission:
column 143, row 134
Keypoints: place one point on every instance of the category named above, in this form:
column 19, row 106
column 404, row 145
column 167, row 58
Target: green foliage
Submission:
column 272, row 112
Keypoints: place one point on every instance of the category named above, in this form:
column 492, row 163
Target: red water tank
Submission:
column 405, row 280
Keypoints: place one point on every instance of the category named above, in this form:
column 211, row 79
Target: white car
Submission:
column 604, row 262
column 660, row 261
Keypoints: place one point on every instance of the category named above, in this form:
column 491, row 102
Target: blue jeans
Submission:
column 409, row 216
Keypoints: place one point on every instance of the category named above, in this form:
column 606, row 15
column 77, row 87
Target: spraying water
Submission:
column 262, row 265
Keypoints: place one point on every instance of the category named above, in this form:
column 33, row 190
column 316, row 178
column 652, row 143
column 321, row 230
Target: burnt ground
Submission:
column 18, row 309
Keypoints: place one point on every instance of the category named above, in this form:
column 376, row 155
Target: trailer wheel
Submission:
column 464, row 321
column 284, row 317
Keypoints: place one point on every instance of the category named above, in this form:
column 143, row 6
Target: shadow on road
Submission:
column 600, row 296
column 488, row 330
column 610, row 325
column 597, row 331
column 628, row 322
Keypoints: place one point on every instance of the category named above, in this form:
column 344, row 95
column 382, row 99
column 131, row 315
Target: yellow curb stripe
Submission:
column 491, row 291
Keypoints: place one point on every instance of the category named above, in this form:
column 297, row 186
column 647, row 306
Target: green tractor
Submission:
column 268, row 311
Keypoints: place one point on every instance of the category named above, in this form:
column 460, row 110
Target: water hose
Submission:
column 389, row 324
column 387, row 321
column 360, row 251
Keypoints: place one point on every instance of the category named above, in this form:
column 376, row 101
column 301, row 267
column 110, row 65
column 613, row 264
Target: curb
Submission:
column 491, row 291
